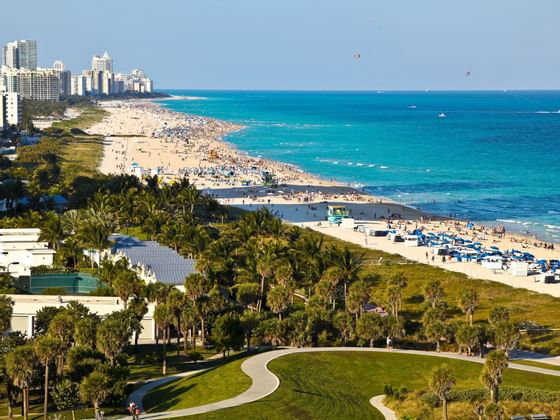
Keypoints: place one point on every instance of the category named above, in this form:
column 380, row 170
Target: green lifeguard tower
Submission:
column 269, row 180
column 335, row 214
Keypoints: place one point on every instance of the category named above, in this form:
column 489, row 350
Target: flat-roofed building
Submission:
column 12, row 108
column 21, row 54
column 21, row 250
column 25, row 309
column 78, row 86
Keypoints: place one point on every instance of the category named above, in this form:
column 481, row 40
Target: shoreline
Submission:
column 173, row 145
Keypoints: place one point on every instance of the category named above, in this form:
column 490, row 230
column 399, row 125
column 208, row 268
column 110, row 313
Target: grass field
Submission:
column 89, row 115
column 537, row 364
column 213, row 385
column 339, row 385
column 147, row 363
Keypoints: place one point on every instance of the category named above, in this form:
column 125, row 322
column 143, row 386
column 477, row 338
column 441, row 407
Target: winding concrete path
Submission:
column 265, row 382
column 377, row 402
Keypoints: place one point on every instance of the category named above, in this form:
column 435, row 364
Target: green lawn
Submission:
column 216, row 384
column 339, row 385
column 89, row 115
column 537, row 364
column 147, row 363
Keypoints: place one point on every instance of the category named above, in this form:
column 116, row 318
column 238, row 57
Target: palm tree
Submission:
column 71, row 221
column 164, row 316
column 52, row 230
column 46, row 349
column 434, row 293
column 370, row 327
column 348, row 263
column 278, row 300
column 265, row 268
column 493, row 372
column 468, row 303
column 441, row 381
column 96, row 236
column 20, row 367
column 126, row 284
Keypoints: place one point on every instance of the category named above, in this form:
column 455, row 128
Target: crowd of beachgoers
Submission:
column 175, row 145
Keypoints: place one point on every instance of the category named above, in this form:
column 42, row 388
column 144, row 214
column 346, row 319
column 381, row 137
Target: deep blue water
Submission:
column 495, row 156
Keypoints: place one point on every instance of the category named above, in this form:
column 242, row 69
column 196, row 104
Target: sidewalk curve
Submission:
column 265, row 382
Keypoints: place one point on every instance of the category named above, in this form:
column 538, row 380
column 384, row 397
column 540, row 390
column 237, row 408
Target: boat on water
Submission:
column 442, row 115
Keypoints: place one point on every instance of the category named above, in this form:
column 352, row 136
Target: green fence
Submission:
column 73, row 283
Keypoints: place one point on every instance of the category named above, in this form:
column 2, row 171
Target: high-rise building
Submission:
column 13, row 108
column 65, row 77
column 78, row 87
column 21, row 54
column 10, row 55
column 10, row 109
column 58, row 65
column 41, row 84
column 136, row 82
column 3, row 123
column 104, row 63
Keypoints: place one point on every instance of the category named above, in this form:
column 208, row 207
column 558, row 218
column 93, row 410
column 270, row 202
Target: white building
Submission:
column 26, row 307
column 104, row 63
column 65, row 77
column 136, row 81
column 40, row 84
column 78, row 86
column 21, row 249
column 21, row 54
column 10, row 109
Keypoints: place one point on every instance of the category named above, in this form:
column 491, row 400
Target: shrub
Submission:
column 54, row 291
column 506, row 394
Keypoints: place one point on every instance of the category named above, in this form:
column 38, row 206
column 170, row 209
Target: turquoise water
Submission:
column 494, row 158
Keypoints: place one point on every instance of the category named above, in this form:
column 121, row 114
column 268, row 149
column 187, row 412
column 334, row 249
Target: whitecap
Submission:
column 359, row 164
column 383, row 167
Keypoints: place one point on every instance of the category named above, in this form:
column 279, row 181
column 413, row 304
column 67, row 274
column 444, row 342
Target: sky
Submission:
column 303, row 44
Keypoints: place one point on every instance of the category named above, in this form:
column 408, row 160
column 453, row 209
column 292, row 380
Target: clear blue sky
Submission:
column 303, row 44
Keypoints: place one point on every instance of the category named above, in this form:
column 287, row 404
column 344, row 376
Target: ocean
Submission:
column 491, row 157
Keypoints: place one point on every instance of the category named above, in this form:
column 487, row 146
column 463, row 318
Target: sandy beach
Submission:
column 143, row 138
column 174, row 145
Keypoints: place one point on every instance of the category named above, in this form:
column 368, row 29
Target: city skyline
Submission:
column 246, row 45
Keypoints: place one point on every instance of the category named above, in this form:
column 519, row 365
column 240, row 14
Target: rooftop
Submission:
column 166, row 264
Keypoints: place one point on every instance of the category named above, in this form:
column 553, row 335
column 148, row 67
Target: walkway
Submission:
column 377, row 402
column 265, row 382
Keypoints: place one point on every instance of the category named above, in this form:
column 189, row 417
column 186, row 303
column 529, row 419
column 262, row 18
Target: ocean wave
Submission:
column 383, row 167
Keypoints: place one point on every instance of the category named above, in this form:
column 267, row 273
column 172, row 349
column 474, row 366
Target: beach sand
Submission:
column 177, row 145
column 143, row 132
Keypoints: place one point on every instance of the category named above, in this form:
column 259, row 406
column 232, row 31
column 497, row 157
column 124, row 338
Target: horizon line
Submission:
column 361, row 90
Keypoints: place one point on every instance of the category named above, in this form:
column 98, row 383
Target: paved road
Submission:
column 265, row 382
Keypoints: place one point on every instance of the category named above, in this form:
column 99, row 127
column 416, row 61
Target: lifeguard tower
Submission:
column 269, row 180
column 335, row 214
